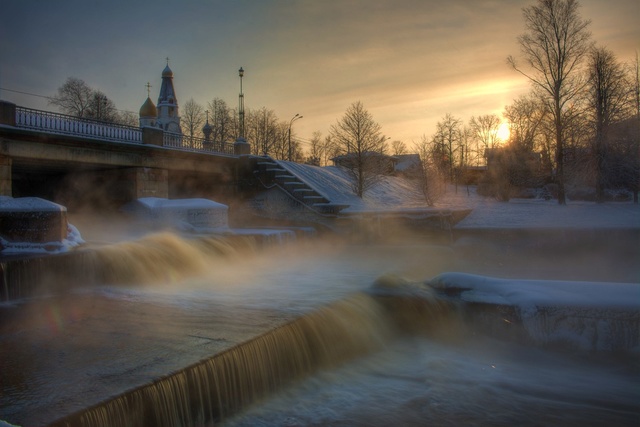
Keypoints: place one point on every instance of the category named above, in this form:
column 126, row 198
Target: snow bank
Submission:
column 593, row 316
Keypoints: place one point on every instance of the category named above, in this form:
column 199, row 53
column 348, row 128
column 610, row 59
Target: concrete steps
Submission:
column 271, row 173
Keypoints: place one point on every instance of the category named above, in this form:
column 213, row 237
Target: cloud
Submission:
column 409, row 61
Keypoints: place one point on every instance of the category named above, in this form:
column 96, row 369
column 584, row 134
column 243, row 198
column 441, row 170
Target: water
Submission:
column 481, row 382
column 61, row 354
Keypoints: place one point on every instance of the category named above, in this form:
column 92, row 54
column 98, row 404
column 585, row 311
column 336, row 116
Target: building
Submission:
column 166, row 114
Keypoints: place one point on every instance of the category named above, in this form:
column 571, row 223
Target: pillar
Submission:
column 5, row 176
column 7, row 113
column 152, row 136
column 151, row 183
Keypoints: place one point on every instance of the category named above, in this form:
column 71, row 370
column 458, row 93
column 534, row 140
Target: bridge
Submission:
column 80, row 162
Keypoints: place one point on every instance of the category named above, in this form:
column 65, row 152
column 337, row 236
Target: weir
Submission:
column 218, row 387
column 266, row 331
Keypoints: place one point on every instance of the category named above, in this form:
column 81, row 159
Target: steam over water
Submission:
column 329, row 350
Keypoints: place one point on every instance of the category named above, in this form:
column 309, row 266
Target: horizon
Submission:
column 409, row 63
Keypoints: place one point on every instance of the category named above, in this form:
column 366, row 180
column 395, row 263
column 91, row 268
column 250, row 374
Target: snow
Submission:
column 539, row 293
column 539, row 213
column 36, row 204
column 73, row 239
column 28, row 204
column 589, row 316
column 194, row 215
column 390, row 194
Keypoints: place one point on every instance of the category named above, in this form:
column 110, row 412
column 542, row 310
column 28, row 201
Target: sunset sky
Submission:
column 410, row 62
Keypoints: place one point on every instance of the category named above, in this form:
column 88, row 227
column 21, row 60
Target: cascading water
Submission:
column 215, row 388
column 299, row 331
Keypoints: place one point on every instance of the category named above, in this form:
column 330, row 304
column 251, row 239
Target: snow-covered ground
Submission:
column 332, row 182
column 393, row 193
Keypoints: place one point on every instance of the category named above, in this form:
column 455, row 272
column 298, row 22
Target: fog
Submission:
column 170, row 300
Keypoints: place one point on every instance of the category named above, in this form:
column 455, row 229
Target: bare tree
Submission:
column 101, row 108
column 610, row 101
column 316, row 149
column 635, row 158
column 128, row 118
column 261, row 127
column 428, row 177
column 193, row 118
column 361, row 144
column 555, row 43
column 78, row 99
column 525, row 117
column 73, row 97
column 484, row 134
column 398, row 148
column 329, row 150
column 280, row 147
column 223, row 122
column 448, row 144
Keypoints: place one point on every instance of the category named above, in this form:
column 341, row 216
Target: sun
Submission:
column 503, row 132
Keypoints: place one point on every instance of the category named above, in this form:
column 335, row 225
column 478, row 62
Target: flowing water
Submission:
column 196, row 331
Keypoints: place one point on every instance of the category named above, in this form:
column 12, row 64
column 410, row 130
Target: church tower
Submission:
column 168, row 117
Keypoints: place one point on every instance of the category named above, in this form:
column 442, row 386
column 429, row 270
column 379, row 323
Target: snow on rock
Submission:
column 592, row 316
column 34, row 225
column 28, row 204
column 196, row 215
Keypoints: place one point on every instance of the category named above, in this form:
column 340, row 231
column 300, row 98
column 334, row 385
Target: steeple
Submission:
column 168, row 117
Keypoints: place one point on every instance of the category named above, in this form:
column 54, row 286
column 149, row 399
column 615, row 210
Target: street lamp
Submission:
column 241, row 104
column 293, row 119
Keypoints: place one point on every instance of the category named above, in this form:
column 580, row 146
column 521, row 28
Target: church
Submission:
column 165, row 115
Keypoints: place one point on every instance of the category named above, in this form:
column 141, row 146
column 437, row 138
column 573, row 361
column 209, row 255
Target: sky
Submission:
column 410, row 62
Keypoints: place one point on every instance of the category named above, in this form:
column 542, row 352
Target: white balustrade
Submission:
column 68, row 125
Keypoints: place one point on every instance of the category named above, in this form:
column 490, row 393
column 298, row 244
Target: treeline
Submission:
column 578, row 128
column 77, row 98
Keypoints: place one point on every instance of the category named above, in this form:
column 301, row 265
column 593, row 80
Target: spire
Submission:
column 168, row 117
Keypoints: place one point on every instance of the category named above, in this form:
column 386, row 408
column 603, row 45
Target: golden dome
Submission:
column 148, row 109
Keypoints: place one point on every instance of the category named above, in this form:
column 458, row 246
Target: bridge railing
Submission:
column 63, row 124
column 189, row 143
column 68, row 125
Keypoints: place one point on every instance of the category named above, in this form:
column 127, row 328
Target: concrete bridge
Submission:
column 80, row 162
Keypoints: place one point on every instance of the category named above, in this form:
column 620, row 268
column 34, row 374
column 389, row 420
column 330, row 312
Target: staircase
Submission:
column 271, row 174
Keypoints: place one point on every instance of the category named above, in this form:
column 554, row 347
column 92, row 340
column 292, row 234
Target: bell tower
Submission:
column 168, row 117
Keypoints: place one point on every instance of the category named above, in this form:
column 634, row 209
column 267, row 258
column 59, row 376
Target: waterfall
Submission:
column 217, row 387
column 157, row 258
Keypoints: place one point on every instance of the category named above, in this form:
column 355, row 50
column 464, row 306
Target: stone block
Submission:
column 33, row 220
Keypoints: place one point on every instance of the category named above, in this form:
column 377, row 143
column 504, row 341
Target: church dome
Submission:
column 148, row 109
column 167, row 72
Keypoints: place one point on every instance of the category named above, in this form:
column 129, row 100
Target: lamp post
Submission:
column 293, row 119
column 241, row 105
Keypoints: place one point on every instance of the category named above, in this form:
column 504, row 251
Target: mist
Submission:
column 146, row 301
